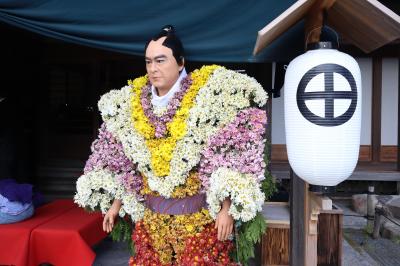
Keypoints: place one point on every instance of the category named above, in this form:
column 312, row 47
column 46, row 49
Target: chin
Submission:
column 156, row 84
column 159, row 86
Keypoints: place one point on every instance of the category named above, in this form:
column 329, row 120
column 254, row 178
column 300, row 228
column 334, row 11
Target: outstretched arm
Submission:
column 109, row 177
column 233, row 166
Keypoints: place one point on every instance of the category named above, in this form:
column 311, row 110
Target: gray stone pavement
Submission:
column 356, row 257
column 359, row 249
column 109, row 253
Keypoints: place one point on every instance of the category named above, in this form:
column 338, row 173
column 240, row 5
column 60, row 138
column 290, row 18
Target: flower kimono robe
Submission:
column 172, row 168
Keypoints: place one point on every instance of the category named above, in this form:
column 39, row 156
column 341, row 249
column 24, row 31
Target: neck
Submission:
column 162, row 92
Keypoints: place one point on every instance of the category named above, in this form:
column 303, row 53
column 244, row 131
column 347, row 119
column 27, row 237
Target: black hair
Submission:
column 172, row 41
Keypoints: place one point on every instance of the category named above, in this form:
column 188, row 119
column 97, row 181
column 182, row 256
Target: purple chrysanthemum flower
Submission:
column 238, row 146
column 160, row 122
column 107, row 152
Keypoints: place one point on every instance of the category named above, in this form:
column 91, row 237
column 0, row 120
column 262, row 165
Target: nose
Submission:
column 152, row 67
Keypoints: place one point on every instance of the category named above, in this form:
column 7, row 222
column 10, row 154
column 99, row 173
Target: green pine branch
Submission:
column 249, row 234
column 122, row 231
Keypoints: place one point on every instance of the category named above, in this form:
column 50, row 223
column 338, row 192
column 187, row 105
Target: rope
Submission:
column 390, row 220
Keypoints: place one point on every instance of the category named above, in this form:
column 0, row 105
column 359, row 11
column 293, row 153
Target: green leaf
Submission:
column 249, row 234
column 122, row 232
column 268, row 185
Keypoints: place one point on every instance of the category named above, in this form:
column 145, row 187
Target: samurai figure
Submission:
column 181, row 154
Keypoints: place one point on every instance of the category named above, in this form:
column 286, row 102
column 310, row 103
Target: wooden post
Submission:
column 298, row 193
column 303, row 210
column 311, row 229
column 315, row 19
column 370, row 206
column 316, row 204
column 275, row 241
column 377, row 220
column 398, row 125
column 330, row 223
column 305, row 207
column 376, row 107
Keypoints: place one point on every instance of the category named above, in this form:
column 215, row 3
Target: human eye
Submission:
column 147, row 61
column 160, row 60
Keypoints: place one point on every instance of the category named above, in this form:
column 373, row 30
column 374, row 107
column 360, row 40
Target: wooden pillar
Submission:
column 298, row 192
column 269, row 129
column 305, row 207
column 268, row 134
column 330, row 224
column 311, row 231
column 303, row 219
column 315, row 19
column 398, row 122
column 376, row 108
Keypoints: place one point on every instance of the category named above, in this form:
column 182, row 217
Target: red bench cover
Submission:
column 60, row 233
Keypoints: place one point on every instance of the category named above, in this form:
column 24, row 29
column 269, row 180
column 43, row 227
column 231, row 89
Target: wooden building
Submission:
column 370, row 32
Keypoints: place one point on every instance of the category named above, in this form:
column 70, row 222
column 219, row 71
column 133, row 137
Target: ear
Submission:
column 182, row 65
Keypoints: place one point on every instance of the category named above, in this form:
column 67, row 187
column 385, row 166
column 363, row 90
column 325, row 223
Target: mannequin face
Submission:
column 161, row 66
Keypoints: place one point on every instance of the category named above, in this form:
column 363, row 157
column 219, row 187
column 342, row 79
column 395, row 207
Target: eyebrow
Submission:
column 156, row 57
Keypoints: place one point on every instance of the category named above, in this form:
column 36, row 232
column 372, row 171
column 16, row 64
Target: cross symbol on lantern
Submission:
column 328, row 95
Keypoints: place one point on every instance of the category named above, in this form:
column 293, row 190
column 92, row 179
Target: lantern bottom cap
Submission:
column 321, row 189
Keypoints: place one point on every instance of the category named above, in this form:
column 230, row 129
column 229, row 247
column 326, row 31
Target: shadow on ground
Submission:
column 382, row 251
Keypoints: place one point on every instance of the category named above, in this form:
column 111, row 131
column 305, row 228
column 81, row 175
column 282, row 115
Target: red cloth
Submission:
column 66, row 240
column 14, row 238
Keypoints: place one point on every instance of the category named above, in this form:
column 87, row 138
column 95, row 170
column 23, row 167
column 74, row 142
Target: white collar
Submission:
column 162, row 101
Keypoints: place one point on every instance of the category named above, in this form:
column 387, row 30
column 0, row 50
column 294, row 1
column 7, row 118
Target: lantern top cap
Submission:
column 321, row 45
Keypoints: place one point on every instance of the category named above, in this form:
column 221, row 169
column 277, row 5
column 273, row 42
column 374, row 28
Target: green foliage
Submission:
column 249, row 234
column 368, row 229
column 267, row 149
column 268, row 185
column 396, row 240
column 122, row 231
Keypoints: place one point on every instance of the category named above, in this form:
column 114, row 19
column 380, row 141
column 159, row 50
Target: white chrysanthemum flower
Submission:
column 109, row 103
column 243, row 190
column 133, row 207
column 83, row 190
column 97, row 189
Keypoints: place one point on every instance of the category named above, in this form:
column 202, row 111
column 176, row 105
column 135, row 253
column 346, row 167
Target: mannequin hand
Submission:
column 224, row 221
column 110, row 217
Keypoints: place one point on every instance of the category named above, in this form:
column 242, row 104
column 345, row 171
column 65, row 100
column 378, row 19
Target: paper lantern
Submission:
column 323, row 115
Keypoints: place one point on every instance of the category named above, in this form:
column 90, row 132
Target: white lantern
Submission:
column 323, row 115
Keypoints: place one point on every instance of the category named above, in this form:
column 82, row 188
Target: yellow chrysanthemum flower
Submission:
column 161, row 149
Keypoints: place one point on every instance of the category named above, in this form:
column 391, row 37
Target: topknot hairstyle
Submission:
column 172, row 41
